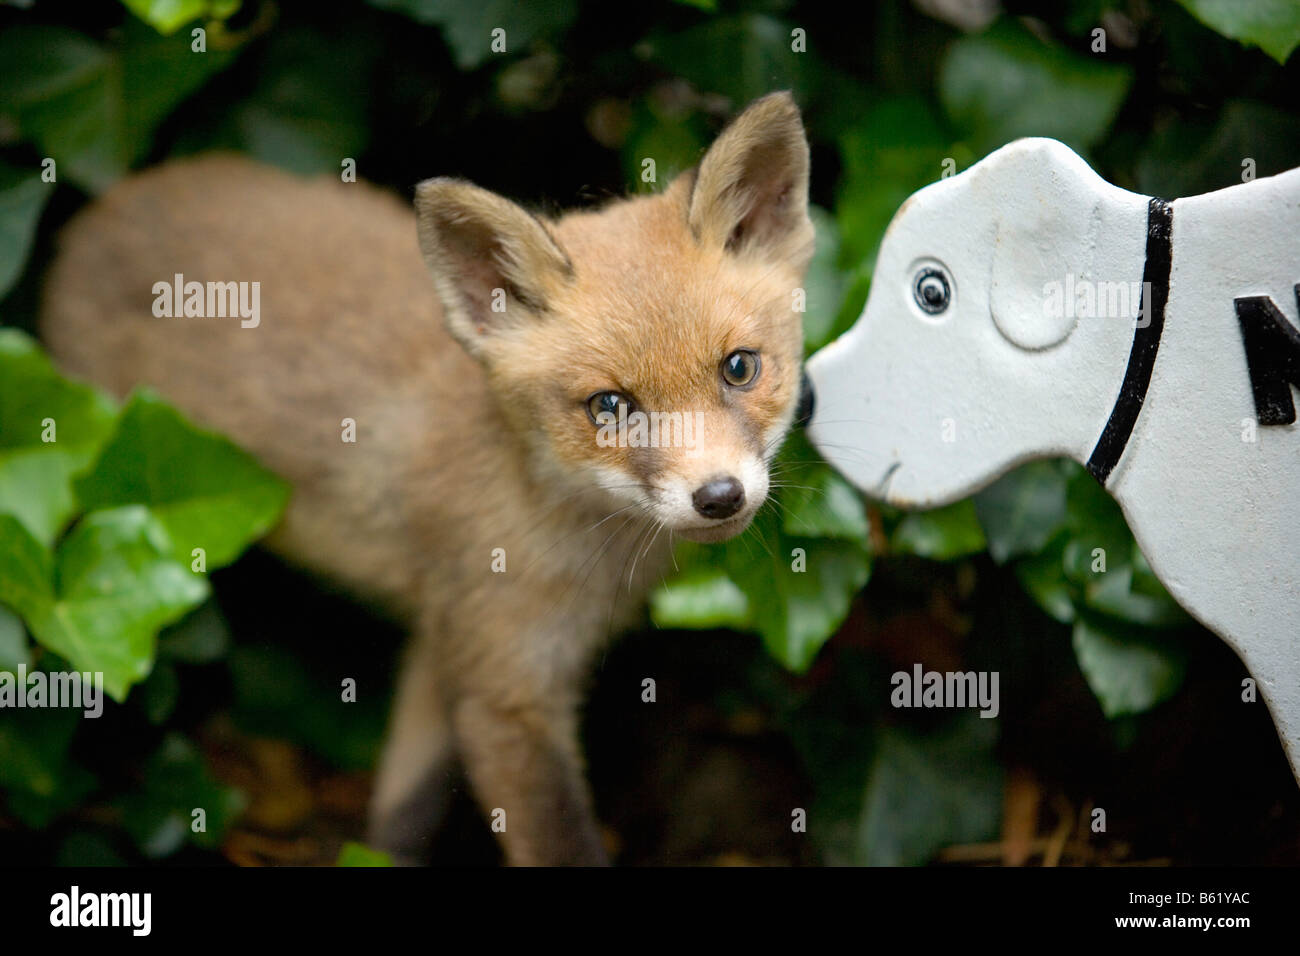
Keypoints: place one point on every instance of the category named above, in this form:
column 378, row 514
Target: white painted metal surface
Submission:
column 921, row 405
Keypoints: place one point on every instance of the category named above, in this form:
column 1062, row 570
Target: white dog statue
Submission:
column 1026, row 308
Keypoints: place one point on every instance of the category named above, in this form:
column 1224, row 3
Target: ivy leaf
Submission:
column 41, row 781
column 1099, row 535
column 467, row 27
column 176, row 782
column 200, row 638
column 742, row 56
column 275, row 695
column 26, row 570
column 14, row 649
column 1129, row 670
column 94, row 109
column 205, row 491
column 1006, row 83
column 941, row 534
column 925, row 792
column 22, row 197
column 793, row 591
column 1042, row 575
column 358, row 854
column 168, row 16
column 791, row 576
column 823, row 284
column 100, row 601
column 701, row 597
column 35, row 475
column 796, row 612
column 897, row 147
column 1271, row 25
column 1022, row 510
column 815, row 500
column 307, row 111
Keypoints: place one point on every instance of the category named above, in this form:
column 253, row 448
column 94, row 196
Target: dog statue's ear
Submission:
column 1047, row 231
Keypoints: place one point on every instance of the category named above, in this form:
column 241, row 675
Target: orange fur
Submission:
column 472, row 425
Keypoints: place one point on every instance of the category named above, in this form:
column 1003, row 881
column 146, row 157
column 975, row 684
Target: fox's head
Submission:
column 648, row 351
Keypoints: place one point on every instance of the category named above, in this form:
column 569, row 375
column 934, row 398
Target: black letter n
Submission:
column 1272, row 355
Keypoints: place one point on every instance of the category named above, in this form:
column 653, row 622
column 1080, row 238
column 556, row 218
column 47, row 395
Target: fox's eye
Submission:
column 607, row 403
column 740, row 368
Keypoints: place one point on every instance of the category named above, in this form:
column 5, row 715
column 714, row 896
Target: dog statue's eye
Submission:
column 932, row 290
column 607, row 403
column 740, row 368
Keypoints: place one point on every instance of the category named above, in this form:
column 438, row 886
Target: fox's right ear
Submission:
column 751, row 190
column 494, row 265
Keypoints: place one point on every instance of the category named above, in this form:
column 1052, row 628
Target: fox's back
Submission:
column 349, row 328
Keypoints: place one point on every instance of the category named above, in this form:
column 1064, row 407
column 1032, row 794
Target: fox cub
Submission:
column 494, row 494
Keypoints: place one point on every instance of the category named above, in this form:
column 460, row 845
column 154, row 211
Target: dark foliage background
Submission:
column 773, row 686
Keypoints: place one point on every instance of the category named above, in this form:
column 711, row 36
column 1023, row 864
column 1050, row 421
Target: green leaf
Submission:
column 467, row 27
column 167, row 16
column 308, row 111
column 823, row 284
column 796, row 612
column 742, row 56
column 358, row 854
column 925, row 792
column 22, row 197
column 1271, row 25
column 674, row 140
column 42, row 783
column 1113, row 593
column 1097, row 529
column 1023, row 510
column 275, row 695
column 113, row 587
column 14, row 647
column 94, row 109
column 1006, row 83
column 88, row 848
column 898, row 146
column 35, row 475
column 1186, row 156
column 750, row 583
column 941, row 534
column 160, row 815
column 26, row 570
column 199, row 638
column 158, row 695
column 700, row 597
column 1042, row 575
column 1129, row 670
column 791, row 576
column 815, row 500
column 204, row 490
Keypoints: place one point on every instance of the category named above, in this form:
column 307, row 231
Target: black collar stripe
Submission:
column 1146, row 342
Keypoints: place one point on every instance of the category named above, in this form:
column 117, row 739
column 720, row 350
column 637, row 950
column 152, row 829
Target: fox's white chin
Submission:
column 716, row 531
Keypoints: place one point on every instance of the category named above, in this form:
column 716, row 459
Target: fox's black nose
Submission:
column 719, row 498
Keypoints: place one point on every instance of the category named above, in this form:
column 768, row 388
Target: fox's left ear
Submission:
column 494, row 265
column 751, row 190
